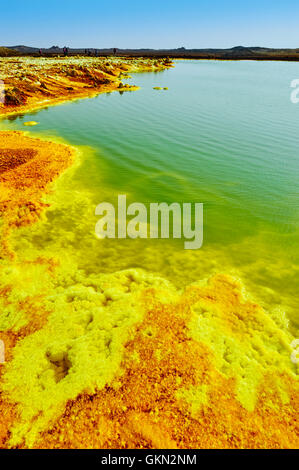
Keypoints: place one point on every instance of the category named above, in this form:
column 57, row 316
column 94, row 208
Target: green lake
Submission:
column 224, row 134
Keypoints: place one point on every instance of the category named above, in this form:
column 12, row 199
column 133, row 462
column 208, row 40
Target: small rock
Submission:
column 30, row 123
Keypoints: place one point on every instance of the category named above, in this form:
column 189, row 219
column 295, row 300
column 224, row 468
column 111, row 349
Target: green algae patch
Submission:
column 79, row 350
column 245, row 343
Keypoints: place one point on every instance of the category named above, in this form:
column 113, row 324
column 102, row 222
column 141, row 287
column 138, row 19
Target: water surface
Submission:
column 225, row 134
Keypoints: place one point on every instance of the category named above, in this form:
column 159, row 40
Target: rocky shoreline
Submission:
column 29, row 83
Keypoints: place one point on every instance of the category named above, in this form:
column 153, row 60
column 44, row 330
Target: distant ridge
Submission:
column 234, row 53
column 7, row 51
column 24, row 49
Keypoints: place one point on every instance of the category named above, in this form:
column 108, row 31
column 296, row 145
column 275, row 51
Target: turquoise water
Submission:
column 225, row 134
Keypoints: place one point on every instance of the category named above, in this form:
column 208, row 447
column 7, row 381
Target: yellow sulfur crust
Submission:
column 126, row 359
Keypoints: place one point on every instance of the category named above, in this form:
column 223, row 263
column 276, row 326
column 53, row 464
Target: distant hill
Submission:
column 24, row 49
column 6, row 52
column 234, row 53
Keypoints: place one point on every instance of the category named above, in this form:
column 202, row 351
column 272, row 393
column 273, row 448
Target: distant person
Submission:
column 114, row 51
column 40, row 52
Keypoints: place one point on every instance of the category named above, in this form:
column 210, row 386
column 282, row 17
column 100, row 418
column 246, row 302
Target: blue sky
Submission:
column 156, row 24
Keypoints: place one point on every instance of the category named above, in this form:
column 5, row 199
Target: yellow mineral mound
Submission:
column 30, row 123
column 27, row 166
column 127, row 361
